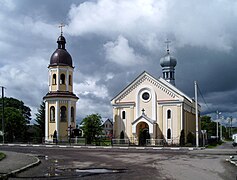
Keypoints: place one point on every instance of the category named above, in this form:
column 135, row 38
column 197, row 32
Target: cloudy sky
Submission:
column 113, row 41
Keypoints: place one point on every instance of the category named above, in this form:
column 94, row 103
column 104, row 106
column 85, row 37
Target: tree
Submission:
column 92, row 127
column 208, row 125
column 16, row 118
column 25, row 110
column 40, row 120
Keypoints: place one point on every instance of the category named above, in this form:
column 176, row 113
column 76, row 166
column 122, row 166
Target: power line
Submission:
column 203, row 97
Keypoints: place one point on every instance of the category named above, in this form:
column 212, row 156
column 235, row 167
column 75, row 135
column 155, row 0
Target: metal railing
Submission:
column 155, row 142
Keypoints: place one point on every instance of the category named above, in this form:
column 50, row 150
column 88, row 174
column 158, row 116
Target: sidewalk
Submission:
column 16, row 162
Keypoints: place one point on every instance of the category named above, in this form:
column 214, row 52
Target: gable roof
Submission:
column 145, row 117
column 161, row 81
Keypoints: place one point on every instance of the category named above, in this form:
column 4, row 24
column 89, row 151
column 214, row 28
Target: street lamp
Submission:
column 230, row 126
column 217, row 125
column 222, row 118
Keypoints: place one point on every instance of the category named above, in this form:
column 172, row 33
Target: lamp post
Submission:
column 221, row 128
column 217, row 125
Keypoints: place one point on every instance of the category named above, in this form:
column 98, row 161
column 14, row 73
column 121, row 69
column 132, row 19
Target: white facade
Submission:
column 155, row 106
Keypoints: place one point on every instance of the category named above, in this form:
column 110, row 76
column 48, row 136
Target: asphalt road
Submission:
column 69, row 163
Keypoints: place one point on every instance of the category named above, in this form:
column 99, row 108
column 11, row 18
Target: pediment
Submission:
column 171, row 91
column 143, row 116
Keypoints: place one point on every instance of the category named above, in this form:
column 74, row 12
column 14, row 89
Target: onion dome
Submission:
column 168, row 60
column 61, row 57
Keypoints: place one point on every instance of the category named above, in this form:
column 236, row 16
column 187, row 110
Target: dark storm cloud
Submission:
column 112, row 42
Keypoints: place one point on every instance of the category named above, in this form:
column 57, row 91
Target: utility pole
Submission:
column 2, row 114
column 230, row 126
column 217, row 125
column 196, row 112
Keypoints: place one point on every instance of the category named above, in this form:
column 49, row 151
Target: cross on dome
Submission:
column 167, row 44
column 61, row 27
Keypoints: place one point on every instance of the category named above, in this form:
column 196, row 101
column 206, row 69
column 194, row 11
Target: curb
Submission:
column 105, row 147
column 14, row 172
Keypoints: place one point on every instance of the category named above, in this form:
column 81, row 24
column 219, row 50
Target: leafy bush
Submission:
column 2, row 156
column 190, row 138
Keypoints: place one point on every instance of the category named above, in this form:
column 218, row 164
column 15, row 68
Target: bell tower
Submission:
column 60, row 101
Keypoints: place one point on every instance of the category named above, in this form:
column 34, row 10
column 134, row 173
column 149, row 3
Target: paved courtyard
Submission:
column 69, row 163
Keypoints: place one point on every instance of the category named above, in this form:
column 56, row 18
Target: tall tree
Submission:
column 208, row 125
column 40, row 120
column 92, row 127
column 16, row 118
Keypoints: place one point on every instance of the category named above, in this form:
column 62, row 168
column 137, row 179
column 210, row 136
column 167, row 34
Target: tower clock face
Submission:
column 145, row 96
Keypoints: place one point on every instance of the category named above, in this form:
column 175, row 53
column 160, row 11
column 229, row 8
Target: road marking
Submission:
column 123, row 147
column 158, row 148
column 140, row 148
column 190, row 149
column 76, row 146
column 48, row 146
column 23, row 145
column 11, row 144
column 107, row 147
column 91, row 147
column 175, row 148
column 62, row 146
column 35, row 145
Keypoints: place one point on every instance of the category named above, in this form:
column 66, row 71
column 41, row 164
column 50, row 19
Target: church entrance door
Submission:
column 142, row 133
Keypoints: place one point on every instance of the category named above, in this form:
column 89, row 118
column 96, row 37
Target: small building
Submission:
column 108, row 128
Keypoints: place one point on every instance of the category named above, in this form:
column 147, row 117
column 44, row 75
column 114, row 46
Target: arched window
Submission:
column 70, row 80
column 168, row 134
column 62, row 79
column 54, row 79
column 52, row 114
column 123, row 115
column 168, row 114
column 72, row 114
column 63, row 113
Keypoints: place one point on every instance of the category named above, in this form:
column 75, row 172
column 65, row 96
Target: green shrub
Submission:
column 190, row 138
column 182, row 138
column 2, row 156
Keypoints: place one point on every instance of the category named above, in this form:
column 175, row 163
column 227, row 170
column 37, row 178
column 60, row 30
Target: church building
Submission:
column 153, row 111
column 60, row 101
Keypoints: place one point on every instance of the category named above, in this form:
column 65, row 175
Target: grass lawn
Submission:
column 2, row 156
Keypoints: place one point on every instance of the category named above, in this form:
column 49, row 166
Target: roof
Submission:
column 61, row 56
column 160, row 80
column 145, row 117
column 61, row 94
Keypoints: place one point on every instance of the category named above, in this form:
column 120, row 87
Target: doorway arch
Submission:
column 142, row 130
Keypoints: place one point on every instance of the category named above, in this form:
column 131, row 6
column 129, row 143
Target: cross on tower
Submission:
column 61, row 28
column 167, row 44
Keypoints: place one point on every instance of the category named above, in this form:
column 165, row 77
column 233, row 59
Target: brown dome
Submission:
column 61, row 57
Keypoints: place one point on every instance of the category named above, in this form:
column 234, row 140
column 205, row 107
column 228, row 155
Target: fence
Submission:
column 99, row 141
column 155, row 142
